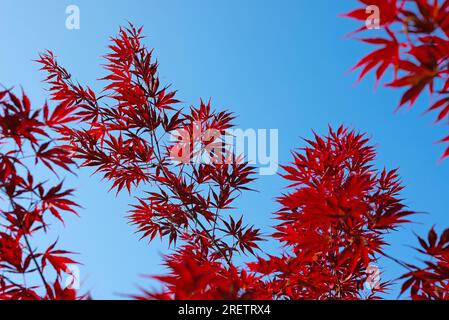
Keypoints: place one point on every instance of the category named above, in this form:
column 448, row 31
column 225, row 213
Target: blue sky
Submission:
column 277, row 64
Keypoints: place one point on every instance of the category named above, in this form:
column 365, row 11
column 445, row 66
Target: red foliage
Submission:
column 28, row 138
column 415, row 45
column 432, row 281
column 332, row 223
column 127, row 140
column 195, row 277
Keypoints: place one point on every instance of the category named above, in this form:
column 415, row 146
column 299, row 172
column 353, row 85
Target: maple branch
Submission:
column 158, row 155
column 31, row 252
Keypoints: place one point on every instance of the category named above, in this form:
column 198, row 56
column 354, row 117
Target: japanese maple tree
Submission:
column 331, row 222
column 29, row 144
column 331, row 226
column 136, row 136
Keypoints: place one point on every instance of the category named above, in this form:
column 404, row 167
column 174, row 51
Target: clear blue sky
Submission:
column 277, row 64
